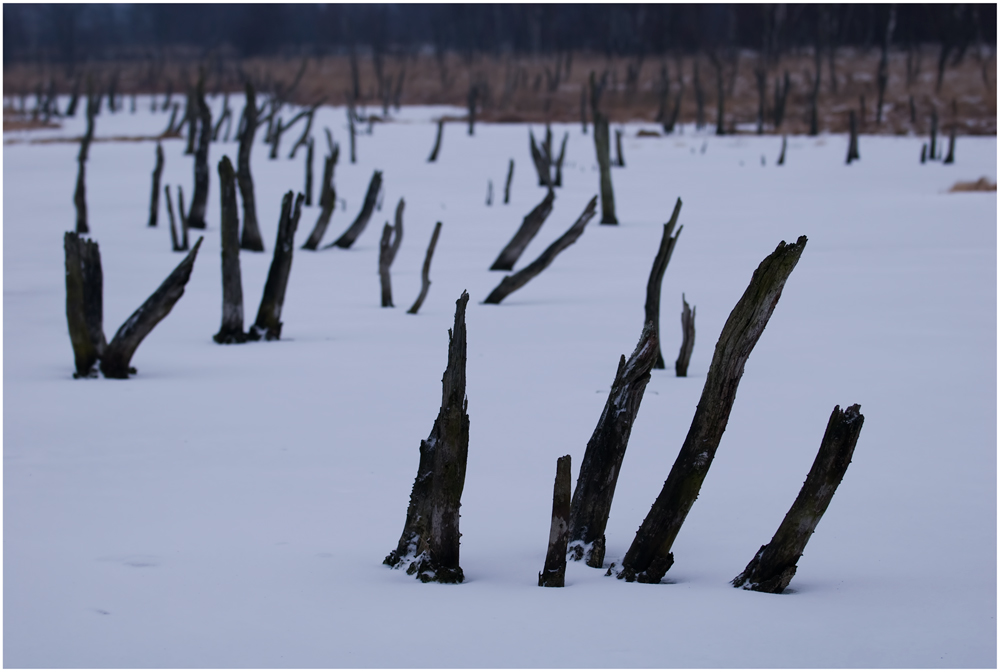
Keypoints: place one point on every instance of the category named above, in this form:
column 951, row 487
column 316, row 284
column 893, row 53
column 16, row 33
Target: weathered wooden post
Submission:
column 361, row 221
column 80, row 195
column 687, row 340
column 602, row 461
column 529, row 227
column 437, row 142
column 199, row 200
column 773, row 567
column 852, row 147
column 352, row 131
column 425, row 274
column 327, row 201
column 429, row 545
column 231, row 330
column 392, row 238
column 154, row 200
column 553, row 574
column 84, row 302
column 655, row 283
column 268, row 324
column 649, row 556
column 510, row 176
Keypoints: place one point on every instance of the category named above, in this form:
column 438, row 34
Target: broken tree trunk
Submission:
column 649, row 556
column 327, row 202
column 529, row 227
column 392, row 238
column 784, row 145
column 268, row 324
column 950, row 158
column 174, row 239
column 557, row 180
column 199, row 199
column 602, row 461
column 309, row 173
column 687, row 341
column 437, row 142
column 425, row 274
column 231, row 330
column 154, row 200
column 429, row 545
column 84, row 302
column 118, row 354
column 510, row 176
column 553, row 574
column 361, row 221
column 773, row 567
column 620, row 157
column 933, row 156
column 80, row 195
column 541, row 161
column 183, row 217
column 512, row 283
column 852, row 146
column 251, row 239
column 602, row 143
column 655, row 283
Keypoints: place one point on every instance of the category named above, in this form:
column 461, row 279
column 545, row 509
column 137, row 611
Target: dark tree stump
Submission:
column 268, row 324
column 950, row 158
column 392, row 238
column 170, row 130
column 620, row 157
column 361, row 221
column 852, row 146
column 510, row 176
column 687, row 341
column 471, row 104
column 649, row 556
column 175, row 241
column 541, row 161
column 671, row 122
column 183, row 217
column 309, row 173
column 557, row 180
column 923, row 153
column 655, row 283
column 784, row 145
column 154, row 200
column 226, row 115
column 425, row 274
column 199, row 199
column 932, row 155
column 84, row 302
column 512, row 283
column 327, row 201
column 489, row 192
column 352, row 131
column 429, row 545
column 80, row 194
column 553, row 574
column 773, row 567
column 251, row 239
column 437, row 142
column 231, row 330
column 303, row 140
column 602, row 461
column 602, row 143
column 118, row 355
column 529, row 228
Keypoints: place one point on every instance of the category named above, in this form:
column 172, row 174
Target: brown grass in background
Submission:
column 538, row 89
column 982, row 184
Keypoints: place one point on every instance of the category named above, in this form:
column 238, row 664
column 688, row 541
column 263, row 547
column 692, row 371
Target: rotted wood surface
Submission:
column 602, row 143
column 553, row 574
column 84, row 302
column 529, row 228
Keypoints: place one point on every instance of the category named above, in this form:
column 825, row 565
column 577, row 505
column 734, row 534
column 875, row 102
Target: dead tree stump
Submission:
column 118, row 355
column 199, row 199
column 510, row 176
column 950, row 158
column 934, row 129
column 309, row 173
column 655, row 283
column 361, row 221
column 392, row 238
column 557, row 180
column 154, row 200
column 602, row 143
column 542, row 162
column 773, row 567
column 175, row 240
column 231, row 330
column 687, row 341
column 553, row 574
column 268, row 324
column 852, row 146
column 327, row 201
column 425, row 274
column 512, row 283
column 80, row 194
column 529, row 228
column 649, row 556
column 251, row 239
column 84, row 302
column 602, row 461
column 429, row 545
column 620, row 157
column 437, row 142
column 183, row 217
column 784, row 145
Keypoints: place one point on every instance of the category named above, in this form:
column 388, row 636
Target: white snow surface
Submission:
column 230, row 506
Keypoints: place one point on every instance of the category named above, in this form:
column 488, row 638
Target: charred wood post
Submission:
column 84, row 302
column 602, row 461
column 923, row 153
column 506, row 188
column 553, row 574
column 655, row 283
column 852, row 147
column 80, row 194
column 489, row 192
column 529, row 227
column 304, row 139
column 437, row 142
column 512, row 283
column 170, row 130
column 227, row 114
column 649, row 556
column 154, row 200
column 251, row 239
column 784, row 146
column 425, row 274
column 392, row 238
column 276, row 131
column 583, row 108
column 429, row 545
column 199, row 199
column 268, row 324
column 231, row 330
column 191, row 118
column 327, row 202
column 74, row 98
column 118, row 354
column 309, row 173
column 687, row 341
column 361, row 221
column 773, row 567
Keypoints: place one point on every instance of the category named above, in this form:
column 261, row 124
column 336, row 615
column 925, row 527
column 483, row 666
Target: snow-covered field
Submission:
column 231, row 505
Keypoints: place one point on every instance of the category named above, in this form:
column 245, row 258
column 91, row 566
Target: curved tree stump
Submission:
column 268, row 324
column 950, row 158
column 553, row 574
column 512, row 283
column 602, row 461
column 327, row 201
column 118, row 354
column 437, row 142
column 425, row 274
column 84, row 302
column 251, row 239
column 361, row 221
column 649, row 556
column 541, row 161
column 80, row 194
column 231, row 330
column 154, row 200
column 510, row 176
column 529, row 228
column 199, row 200
column 687, row 342
column 773, row 567
column 655, row 282
column 784, row 146
column 429, row 545
column 392, row 238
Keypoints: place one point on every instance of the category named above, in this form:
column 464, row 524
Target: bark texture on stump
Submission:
column 80, row 194
column 199, row 200
column 327, row 201
column 553, row 574
column 425, row 274
column 429, row 545
column 852, row 146
column 687, row 341
column 602, row 461
column 268, row 324
column 649, row 556
column 354, row 230
column 437, row 142
column 118, row 355
column 231, row 330
column 84, row 302
column 655, row 283
column 529, row 227
column 510, row 176
column 154, row 200
column 251, row 239
column 773, row 567
column 512, row 283
column 392, row 238
column 602, row 143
